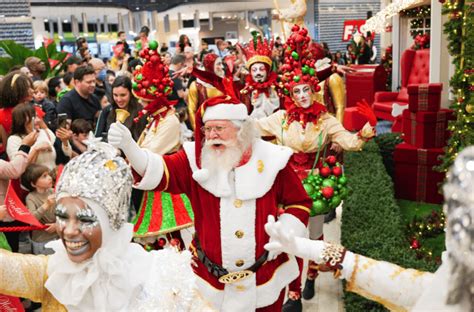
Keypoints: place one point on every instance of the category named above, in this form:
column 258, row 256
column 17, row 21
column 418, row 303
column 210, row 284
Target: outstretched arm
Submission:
column 395, row 287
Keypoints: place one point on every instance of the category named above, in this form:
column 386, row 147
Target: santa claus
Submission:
column 234, row 182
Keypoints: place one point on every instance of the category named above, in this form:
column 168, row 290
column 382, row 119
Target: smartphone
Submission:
column 61, row 121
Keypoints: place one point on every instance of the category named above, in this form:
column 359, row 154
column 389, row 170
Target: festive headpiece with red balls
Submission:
column 258, row 51
column 151, row 82
column 300, row 58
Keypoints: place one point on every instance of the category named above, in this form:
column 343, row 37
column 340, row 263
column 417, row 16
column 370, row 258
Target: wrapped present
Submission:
column 415, row 178
column 353, row 121
column 426, row 129
column 424, row 97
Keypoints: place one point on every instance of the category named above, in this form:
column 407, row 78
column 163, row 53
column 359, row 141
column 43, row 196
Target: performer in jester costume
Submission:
column 160, row 212
column 306, row 127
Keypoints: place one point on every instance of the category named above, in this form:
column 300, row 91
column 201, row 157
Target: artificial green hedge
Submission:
column 371, row 221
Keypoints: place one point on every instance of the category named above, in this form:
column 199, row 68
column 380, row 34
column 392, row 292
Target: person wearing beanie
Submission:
column 234, row 181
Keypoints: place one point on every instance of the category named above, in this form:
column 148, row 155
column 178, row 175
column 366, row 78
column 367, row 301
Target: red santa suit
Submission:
column 230, row 212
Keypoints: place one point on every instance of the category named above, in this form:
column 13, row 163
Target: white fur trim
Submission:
column 201, row 175
column 290, row 222
column 225, row 112
column 250, row 183
column 322, row 64
column 153, row 172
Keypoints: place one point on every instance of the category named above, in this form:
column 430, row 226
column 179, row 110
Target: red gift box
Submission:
column 426, row 129
column 364, row 82
column 415, row 178
column 353, row 121
column 424, row 97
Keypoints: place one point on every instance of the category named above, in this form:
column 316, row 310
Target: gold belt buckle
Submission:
column 235, row 276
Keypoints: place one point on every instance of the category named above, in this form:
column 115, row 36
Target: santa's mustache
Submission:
column 259, row 76
column 217, row 142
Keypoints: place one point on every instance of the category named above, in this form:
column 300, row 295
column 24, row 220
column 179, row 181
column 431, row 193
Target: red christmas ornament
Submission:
column 331, row 160
column 415, row 244
column 145, row 83
column 155, row 59
column 325, row 171
column 327, row 192
column 161, row 242
column 337, row 171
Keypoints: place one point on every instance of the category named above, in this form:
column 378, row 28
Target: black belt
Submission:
column 222, row 273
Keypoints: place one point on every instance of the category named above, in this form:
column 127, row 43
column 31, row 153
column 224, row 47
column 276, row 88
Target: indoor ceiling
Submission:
column 133, row 5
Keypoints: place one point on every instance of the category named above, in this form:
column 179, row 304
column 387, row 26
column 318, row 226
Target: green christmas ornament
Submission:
column 344, row 192
column 308, row 188
column 153, row 45
column 295, row 55
column 335, row 201
column 139, row 77
column 134, row 85
column 296, row 78
column 286, row 92
column 305, row 69
column 167, row 89
column 342, row 180
column 328, row 182
column 151, row 90
column 312, row 71
column 319, row 206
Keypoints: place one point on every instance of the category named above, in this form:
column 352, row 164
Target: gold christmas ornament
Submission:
column 470, row 108
column 121, row 115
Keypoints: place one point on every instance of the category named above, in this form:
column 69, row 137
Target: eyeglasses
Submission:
column 217, row 129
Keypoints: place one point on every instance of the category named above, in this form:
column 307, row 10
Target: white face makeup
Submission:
column 219, row 68
column 79, row 228
column 258, row 72
column 302, row 95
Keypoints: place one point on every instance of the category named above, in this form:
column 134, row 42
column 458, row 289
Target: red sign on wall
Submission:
column 349, row 27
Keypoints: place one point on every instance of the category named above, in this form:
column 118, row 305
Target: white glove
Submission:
column 286, row 241
column 120, row 137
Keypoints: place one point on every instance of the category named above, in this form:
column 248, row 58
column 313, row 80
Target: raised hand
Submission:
column 364, row 109
column 119, row 136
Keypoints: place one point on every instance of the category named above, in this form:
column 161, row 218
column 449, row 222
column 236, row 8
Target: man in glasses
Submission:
column 234, row 181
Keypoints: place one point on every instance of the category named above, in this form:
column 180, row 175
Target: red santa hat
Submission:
column 226, row 107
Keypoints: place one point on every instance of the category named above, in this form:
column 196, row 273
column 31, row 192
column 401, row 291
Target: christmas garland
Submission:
column 420, row 229
column 459, row 29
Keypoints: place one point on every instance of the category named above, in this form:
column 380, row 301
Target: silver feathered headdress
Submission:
column 99, row 174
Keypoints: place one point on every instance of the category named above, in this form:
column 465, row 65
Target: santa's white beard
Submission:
column 220, row 161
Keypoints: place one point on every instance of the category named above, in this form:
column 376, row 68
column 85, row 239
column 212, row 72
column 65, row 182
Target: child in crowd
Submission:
column 81, row 129
column 41, row 203
column 40, row 98
column 186, row 134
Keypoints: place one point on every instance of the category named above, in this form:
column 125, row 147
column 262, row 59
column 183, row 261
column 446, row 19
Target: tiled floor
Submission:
column 328, row 290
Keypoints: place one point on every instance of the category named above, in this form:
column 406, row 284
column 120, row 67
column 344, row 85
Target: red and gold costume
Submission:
column 302, row 129
column 260, row 97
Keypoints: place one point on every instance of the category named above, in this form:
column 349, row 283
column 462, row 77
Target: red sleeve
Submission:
column 324, row 74
column 292, row 195
column 177, row 174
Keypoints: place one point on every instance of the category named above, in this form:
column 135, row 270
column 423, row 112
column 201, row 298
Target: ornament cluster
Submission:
column 299, row 62
column 151, row 80
column 328, row 188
